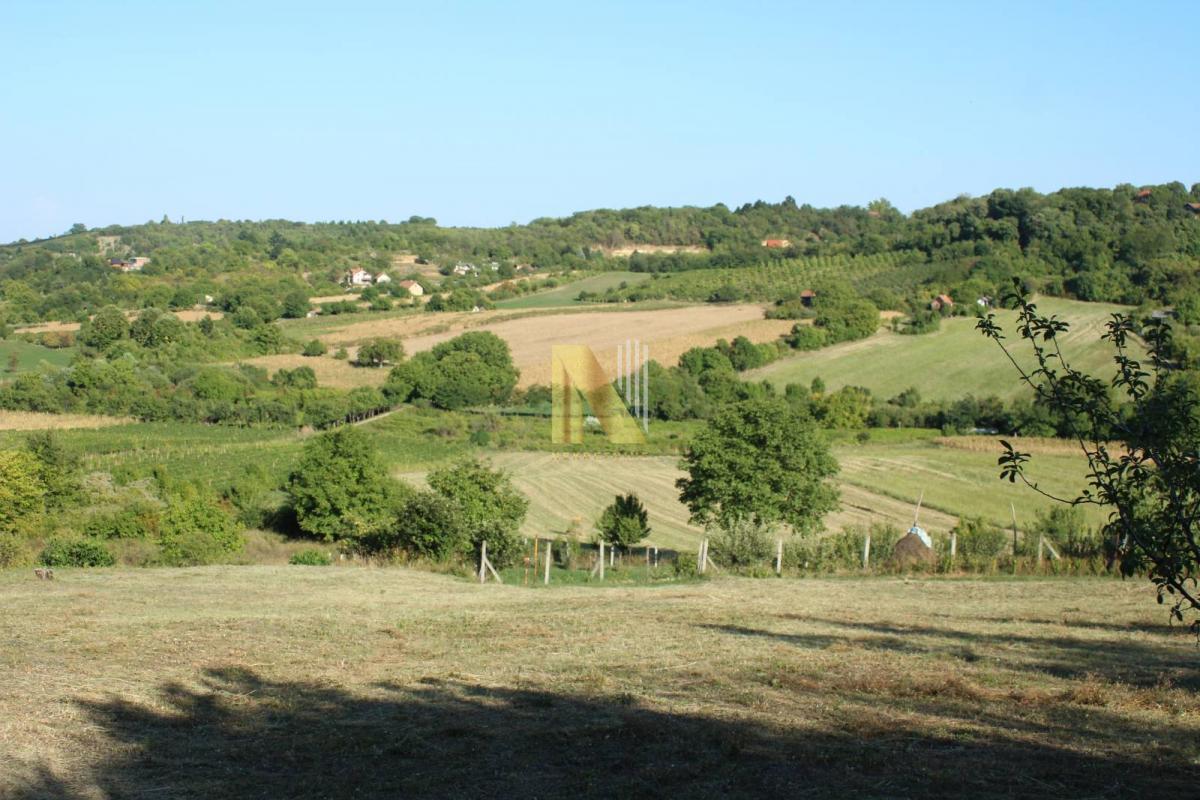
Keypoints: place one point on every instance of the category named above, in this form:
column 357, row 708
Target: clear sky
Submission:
column 487, row 113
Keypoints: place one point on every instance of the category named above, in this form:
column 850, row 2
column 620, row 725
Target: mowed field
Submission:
column 298, row 682
column 879, row 483
column 668, row 332
column 949, row 363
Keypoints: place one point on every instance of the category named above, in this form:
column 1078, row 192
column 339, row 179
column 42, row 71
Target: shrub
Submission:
column 428, row 525
column 741, row 543
column 76, row 553
column 196, row 530
column 686, row 564
column 13, row 551
column 315, row 348
column 491, row 508
column 624, row 522
column 979, row 543
column 310, row 558
column 123, row 524
column 341, row 354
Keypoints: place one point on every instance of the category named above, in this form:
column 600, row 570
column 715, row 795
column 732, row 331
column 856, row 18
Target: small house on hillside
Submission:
column 1143, row 195
column 128, row 264
column 465, row 269
column 776, row 244
column 358, row 277
column 1192, row 207
column 412, row 287
column 383, row 277
column 807, row 297
column 983, row 301
column 940, row 302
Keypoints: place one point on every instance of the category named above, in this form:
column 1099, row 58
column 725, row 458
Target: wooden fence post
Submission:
column 1041, row 546
column 702, row 556
column 779, row 557
column 953, row 546
column 482, row 561
column 601, row 559
column 867, row 551
column 549, row 550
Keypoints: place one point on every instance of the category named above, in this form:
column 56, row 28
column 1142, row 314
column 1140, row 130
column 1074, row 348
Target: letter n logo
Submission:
column 576, row 376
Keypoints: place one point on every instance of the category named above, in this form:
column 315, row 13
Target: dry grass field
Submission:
column 330, row 371
column 38, row 421
column 273, row 682
column 668, row 332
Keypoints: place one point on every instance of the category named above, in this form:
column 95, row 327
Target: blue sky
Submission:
column 487, row 113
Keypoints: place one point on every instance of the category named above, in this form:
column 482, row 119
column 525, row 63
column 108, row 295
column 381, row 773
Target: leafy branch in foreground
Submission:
column 1150, row 481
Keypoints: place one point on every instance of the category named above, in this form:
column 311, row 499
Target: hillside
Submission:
column 948, row 363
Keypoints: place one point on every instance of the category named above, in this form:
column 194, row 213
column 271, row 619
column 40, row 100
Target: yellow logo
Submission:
column 577, row 377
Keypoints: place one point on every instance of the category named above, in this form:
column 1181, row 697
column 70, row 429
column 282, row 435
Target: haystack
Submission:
column 912, row 553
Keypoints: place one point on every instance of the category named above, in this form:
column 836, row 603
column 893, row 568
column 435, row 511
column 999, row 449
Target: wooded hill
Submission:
column 1128, row 244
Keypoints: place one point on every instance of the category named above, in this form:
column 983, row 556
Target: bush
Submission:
column 13, row 551
column 315, row 348
column 123, row 524
column 979, row 544
column 428, row 525
column 76, row 553
column 310, row 558
column 740, row 544
column 196, row 530
column 686, row 565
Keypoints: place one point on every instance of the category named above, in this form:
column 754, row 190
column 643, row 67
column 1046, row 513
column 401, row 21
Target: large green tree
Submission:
column 761, row 461
column 340, row 489
column 490, row 507
column 21, row 489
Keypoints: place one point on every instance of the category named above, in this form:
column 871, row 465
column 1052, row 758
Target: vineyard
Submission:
column 770, row 281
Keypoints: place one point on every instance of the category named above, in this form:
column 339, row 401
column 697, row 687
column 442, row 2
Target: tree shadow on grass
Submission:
column 240, row 735
column 1134, row 662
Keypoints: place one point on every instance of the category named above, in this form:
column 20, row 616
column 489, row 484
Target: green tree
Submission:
column 108, row 326
column 315, row 348
column 380, row 352
column 491, row 508
column 295, row 304
column 428, row 525
column 625, row 521
column 21, row 488
column 196, row 529
column 1149, row 484
column 759, row 460
column 340, row 488
column 58, row 468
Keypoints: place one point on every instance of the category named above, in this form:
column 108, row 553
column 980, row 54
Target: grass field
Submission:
column 949, row 363
column 565, row 295
column 31, row 356
column 344, row 682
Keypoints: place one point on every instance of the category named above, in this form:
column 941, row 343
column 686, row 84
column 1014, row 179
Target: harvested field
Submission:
column 37, row 421
column 668, row 332
column 330, row 371
column 383, row 683
column 186, row 315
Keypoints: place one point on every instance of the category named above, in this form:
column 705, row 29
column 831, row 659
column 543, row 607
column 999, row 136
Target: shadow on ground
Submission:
column 239, row 735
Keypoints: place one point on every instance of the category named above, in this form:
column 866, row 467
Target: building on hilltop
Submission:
column 940, row 302
column 359, row 277
column 412, row 287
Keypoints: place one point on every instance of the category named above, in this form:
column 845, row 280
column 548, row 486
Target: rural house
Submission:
column 807, row 297
column 128, row 265
column 1192, row 207
column 776, row 244
column 940, row 302
column 383, row 277
column 412, row 287
column 359, row 277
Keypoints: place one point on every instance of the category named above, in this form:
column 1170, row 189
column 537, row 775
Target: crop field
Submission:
column 771, row 280
column 357, row 682
column 949, row 363
column 565, row 295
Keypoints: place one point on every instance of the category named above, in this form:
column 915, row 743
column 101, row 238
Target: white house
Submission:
column 462, row 269
column 383, row 277
column 359, row 277
column 412, row 287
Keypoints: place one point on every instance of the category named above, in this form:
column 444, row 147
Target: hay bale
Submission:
column 911, row 553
